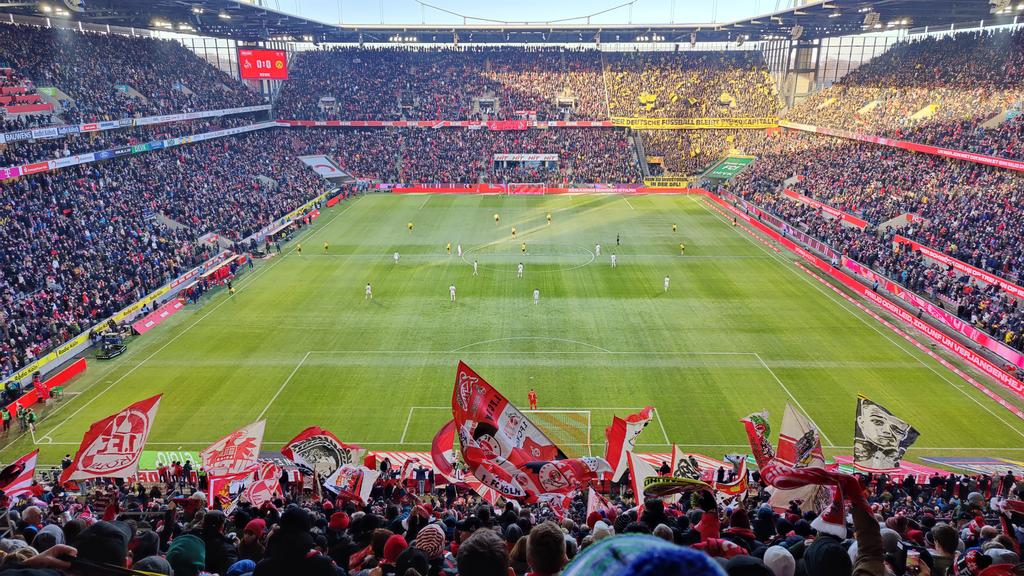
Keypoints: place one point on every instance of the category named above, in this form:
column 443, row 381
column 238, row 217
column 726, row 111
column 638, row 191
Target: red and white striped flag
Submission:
column 17, row 478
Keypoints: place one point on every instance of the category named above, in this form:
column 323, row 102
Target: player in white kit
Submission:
column 519, row 270
column 451, row 292
column 615, row 261
column 666, row 283
column 597, row 249
column 368, row 295
column 536, row 296
column 460, row 249
column 396, row 257
column 475, row 273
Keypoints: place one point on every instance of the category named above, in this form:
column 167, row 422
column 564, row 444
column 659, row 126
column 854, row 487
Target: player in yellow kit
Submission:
column 513, row 232
column 549, row 218
column 682, row 249
column 410, row 227
column 522, row 247
column 449, row 248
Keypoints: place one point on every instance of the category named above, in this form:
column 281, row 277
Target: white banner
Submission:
column 526, row 157
column 323, row 166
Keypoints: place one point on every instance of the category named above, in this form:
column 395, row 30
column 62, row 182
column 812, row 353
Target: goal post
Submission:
column 569, row 429
column 526, row 188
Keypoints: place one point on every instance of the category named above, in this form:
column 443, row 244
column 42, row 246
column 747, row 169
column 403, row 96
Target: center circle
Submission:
column 548, row 257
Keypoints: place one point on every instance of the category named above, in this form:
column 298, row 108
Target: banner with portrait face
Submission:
column 321, row 451
column 880, row 439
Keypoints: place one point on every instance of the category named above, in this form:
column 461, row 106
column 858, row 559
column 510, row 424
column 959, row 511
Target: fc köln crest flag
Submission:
column 322, row 452
column 112, row 446
column 352, row 482
column 879, row 439
column 495, row 424
column 16, row 479
column 620, row 438
column 442, row 451
column 236, row 452
column 260, row 492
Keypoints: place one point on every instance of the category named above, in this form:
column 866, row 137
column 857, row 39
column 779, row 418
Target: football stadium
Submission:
column 495, row 288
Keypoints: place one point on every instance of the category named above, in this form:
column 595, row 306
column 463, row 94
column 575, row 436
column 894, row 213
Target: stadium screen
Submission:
column 262, row 64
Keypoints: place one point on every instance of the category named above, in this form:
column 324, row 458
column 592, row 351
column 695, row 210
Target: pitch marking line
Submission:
column 797, row 402
column 185, row 330
column 283, row 384
column 407, row 421
column 657, row 414
column 517, row 338
column 628, row 204
column 869, row 323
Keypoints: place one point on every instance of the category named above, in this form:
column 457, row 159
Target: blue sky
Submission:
column 411, row 12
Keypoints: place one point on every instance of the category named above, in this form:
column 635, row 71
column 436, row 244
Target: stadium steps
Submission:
column 170, row 222
column 641, row 154
column 998, row 119
column 900, row 222
column 926, row 112
column 869, row 106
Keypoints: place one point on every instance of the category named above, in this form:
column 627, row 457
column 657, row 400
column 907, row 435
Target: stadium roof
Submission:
column 249, row 22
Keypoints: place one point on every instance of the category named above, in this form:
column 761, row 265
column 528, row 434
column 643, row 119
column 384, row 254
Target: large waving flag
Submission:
column 442, row 451
column 880, row 439
column 236, row 452
column 111, row 447
column 16, row 479
column 321, row 452
column 496, row 424
column 620, row 438
column 736, row 491
column 508, row 453
column 800, row 475
column 352, row 482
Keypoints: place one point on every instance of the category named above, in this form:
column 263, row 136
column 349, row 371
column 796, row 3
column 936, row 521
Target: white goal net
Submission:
column 526, row 188
column 569, row 429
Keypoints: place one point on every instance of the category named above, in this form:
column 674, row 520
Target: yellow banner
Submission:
column 666, row 182
column 694, row 123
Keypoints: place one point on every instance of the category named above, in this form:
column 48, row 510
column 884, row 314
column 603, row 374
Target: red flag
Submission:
column 236, row 452
column 441, row 451
column 16, row 478
column 112, row 446
column 599, row 504
column 352, row 482
column 260, row 492
column 758, row 434
column 321, row 451
column 621, row 438
column 559, row 477
column 497, row 425
column 220, row 486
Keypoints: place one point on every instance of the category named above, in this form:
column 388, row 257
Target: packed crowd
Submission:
column 24, row 152
column 957, row 525
column 511, row 83
column 97, row 70
column 968, row 78
column 463, row 84
column 691, row 152
column 80, row 243
column 968, row 211
column 453, row 155
column 690, row 85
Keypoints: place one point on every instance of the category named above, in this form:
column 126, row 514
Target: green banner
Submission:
column 729, row 167
column 48, row 90
column 140, row 148
column 152, row 459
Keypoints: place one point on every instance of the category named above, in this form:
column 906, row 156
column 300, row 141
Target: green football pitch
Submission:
column 740, row 329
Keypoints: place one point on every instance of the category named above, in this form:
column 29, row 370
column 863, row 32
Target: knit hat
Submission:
column 256, row 527
column 412, row 558
column 154, row 565
column 431, row 540
column 739, row 519
column 241, row 567
column 832, row 520
column 104, row 542
column 640, row 555
column 339, row 521
column 393, row 547
column 746, row 566
column 187, row 555
column 970, row 564
column 779, row 561
column 827, row 557
column 601, row 530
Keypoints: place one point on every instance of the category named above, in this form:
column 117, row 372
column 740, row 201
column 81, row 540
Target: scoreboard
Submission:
column 259, row 64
